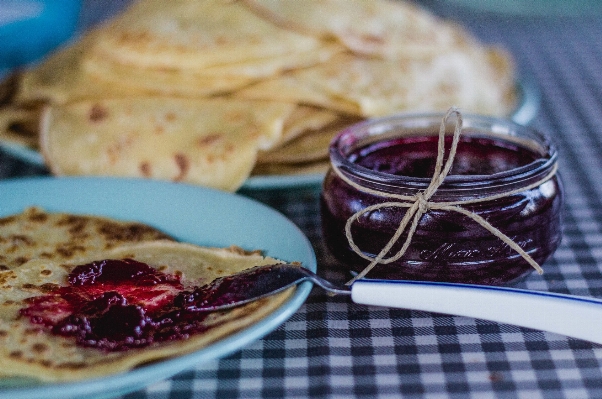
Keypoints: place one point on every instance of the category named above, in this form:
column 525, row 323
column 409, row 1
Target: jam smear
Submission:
column 417, row 156
column 222, row 291
column 121, row 304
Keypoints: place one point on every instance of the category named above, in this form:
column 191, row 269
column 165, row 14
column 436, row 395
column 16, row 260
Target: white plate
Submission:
column 528, row 106
column 190, row 214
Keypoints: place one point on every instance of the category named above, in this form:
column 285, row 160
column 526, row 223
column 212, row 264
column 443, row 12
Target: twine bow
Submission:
column 419, row 204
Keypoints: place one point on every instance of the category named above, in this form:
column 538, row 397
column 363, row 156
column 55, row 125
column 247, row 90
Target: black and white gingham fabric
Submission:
column 332, row 348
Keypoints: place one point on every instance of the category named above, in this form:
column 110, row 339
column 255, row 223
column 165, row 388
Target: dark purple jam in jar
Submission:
column 397, row 156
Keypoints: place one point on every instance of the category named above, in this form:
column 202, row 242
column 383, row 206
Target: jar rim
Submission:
column 368, row 132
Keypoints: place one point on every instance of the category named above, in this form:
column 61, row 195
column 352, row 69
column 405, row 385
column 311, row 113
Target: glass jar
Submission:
column 396, row 156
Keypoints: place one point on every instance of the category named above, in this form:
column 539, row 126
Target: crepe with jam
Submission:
column 125, row 306
column 335, row 62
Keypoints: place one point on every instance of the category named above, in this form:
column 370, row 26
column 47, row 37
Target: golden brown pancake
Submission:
column 211, row 142
column 383, row 28
column 31, row 350
column 183, row 34
column 471, row 79
column 62, row 237
column 312, row 146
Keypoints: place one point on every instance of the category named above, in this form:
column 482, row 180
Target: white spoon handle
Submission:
column 573, row 316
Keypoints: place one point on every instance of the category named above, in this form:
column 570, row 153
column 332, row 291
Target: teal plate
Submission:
column 191, row 214
column 532, row 8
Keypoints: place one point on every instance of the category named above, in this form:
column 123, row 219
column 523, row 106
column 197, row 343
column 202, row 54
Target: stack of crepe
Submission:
column 211, row 92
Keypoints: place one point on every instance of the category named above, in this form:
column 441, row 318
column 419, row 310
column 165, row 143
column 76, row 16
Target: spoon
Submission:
column 573, row 316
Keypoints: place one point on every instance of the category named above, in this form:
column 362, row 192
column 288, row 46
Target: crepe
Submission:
column 30, row 350
column 305, row 119
column 72, row 73
column 478, row 80
column 388, row 29
column 59, row 78
column 291, row 88
column 183, row 34
column 211, row 142
column 63, row 237
column 168, row 82
column 309, row 147
column 235, row 74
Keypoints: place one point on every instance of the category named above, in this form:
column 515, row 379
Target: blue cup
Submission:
column 30, row 29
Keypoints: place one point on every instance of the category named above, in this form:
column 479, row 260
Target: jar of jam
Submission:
column 494, row 217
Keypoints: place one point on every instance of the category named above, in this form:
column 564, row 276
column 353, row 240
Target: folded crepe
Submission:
column 184, row 34
column 480, row 80
column 38, row 250
column 210, row 142
column 311, row 146
column 30, row 350
column 386, row 29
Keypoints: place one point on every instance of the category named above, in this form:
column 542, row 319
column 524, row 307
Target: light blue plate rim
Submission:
column 189, row 213
column 533, row 8
column 524, row 114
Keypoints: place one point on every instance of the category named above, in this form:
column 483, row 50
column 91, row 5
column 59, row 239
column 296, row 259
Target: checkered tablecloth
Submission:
column 332, row 348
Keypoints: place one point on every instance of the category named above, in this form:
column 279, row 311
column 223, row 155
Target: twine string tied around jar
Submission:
column 419, row 204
